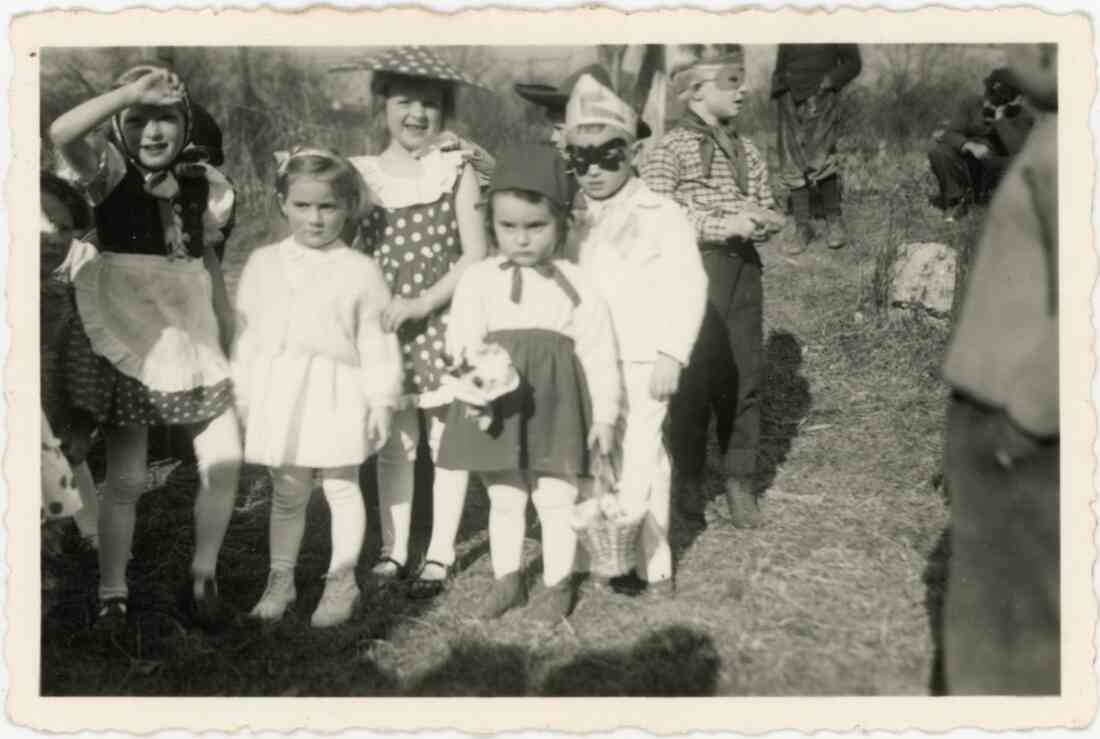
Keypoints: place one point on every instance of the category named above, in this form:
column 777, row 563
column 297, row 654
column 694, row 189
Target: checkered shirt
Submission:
column 674, row 168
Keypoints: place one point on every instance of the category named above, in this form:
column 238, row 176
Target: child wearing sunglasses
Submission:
column 639, row 245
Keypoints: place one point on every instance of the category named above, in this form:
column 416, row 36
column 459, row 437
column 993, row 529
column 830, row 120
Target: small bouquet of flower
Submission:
column 479, row 377
column 607, row 529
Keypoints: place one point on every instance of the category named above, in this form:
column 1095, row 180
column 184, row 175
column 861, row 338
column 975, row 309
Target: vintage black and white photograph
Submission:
column 718, row 369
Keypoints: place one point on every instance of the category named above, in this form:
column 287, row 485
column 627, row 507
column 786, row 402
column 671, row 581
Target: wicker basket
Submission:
column 612, row 545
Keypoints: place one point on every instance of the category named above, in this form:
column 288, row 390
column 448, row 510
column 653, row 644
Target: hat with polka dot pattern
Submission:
column 413, row 61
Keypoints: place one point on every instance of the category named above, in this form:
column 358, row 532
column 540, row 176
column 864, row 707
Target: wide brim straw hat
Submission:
column 555, row 99
column 410, row 61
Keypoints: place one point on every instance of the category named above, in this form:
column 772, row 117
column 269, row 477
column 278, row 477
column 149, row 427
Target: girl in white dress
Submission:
column 317, row 378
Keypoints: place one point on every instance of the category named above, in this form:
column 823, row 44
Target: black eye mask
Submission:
column 609, row 156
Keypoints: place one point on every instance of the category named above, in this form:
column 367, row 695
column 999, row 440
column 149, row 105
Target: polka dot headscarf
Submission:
column 184, row 105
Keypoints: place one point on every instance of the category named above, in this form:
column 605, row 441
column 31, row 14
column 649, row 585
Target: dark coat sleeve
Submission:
column 967, row 124
column 848, row 65
column 779, row 84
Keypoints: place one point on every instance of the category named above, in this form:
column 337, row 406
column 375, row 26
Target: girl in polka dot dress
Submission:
column 424, row 230
column 153, row 307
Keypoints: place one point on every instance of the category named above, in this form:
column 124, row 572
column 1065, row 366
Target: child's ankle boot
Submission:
column 278, row 596
column 338, row 601
column 508, row 592
column 553, row 604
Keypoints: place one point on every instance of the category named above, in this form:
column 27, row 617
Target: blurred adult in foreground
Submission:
column 806, row 84
column 1001, row 624
column 973, row 152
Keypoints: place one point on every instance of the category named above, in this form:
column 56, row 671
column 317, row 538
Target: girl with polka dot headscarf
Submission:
column 424, row 229
column 153, row 306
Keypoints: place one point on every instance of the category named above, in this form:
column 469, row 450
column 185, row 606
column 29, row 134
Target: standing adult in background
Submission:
column 971, row 155
column 1001, row 455
column 806, row 84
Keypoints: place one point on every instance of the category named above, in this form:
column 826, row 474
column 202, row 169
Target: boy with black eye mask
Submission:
column 637, row 245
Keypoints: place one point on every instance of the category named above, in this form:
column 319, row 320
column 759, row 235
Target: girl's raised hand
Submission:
column 159, row 87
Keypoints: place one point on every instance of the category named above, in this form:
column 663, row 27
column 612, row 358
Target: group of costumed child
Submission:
column 411, row 292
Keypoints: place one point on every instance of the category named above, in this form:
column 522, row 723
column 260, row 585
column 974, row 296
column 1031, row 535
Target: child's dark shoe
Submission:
column 112, row 615
column 387, row 571
column 431, row 581
column 508, row 592
column 203, row 606
column 628, row 584
column 552, row 605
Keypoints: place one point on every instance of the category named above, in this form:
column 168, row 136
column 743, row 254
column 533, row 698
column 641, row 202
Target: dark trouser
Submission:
column 962, row 176
column 1001, row 618
column 821, row 200
column 723, row 374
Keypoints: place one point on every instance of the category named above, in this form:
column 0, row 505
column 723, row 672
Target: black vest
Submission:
column 128, row 220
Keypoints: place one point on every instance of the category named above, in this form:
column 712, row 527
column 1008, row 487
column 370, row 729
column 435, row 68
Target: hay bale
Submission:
column 924, row 277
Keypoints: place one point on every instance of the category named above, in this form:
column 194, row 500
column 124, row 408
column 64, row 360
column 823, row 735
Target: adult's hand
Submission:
column 977, row 149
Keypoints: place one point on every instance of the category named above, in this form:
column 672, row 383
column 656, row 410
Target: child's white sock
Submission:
column 448, row 500
column 507, row 521
column 349, row 515
column 554, row 498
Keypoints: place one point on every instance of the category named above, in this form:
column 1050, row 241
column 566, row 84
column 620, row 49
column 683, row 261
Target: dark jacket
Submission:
column 1005, row 136
column 801, row 68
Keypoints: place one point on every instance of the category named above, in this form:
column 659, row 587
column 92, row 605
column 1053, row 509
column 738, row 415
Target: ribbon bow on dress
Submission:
column 546, row 269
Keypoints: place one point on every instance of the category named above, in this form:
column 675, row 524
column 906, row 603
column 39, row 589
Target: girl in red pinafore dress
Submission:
column 424, row 230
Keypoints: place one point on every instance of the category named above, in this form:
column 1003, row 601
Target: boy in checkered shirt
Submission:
column 721, row 181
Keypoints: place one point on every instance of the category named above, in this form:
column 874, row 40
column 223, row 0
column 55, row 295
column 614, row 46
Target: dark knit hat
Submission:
column 536, row 168
column 1001, row 86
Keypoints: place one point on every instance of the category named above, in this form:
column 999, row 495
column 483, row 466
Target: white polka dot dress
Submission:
column 410, row 243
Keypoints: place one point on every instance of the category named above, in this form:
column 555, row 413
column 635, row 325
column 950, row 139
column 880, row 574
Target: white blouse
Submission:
column 482, row 304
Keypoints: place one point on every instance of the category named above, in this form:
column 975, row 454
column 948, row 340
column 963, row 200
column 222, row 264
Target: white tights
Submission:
column 293, row 486
column 218, row 450
column 396, row 464
column 553, row 498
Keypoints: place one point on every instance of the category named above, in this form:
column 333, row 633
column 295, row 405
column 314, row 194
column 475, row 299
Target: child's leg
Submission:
column 507, row 520
column 126, row 451
column 396, row 465
column 349, row 515
column 646, row 472
column 448, row 499
column 87, row 517
column 554, row 498
column 218, row 451
column 288, row 515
